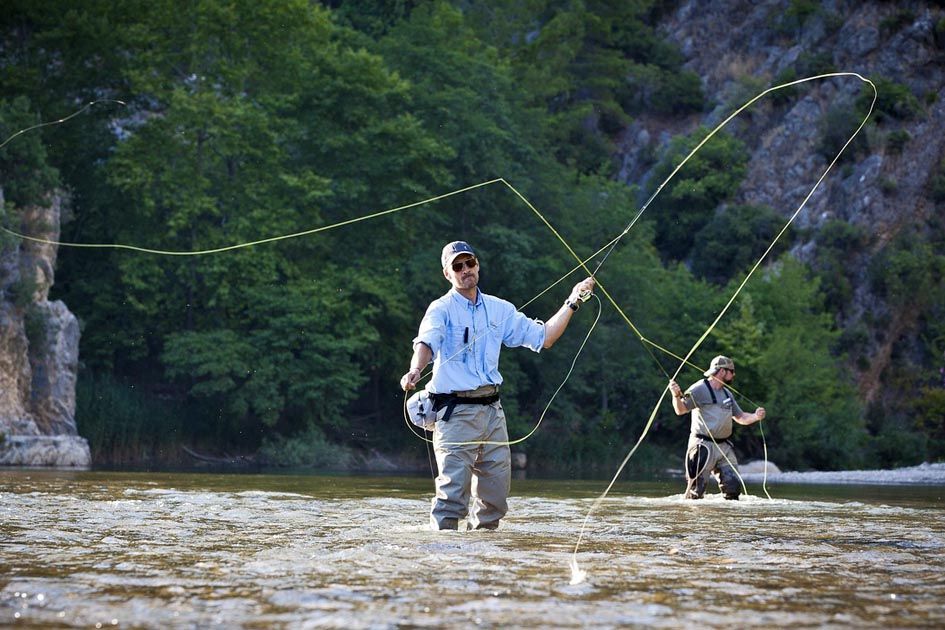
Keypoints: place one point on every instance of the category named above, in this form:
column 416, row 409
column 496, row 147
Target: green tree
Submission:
column 908, row 274
column 894, row 101
column 733, row 239
column 929, row 409
column 25, row 173
column 907, row 271
column 688, row 201
column 309, row 340
column 837, row 242
column 814, row 417
column 244, row 121
column 590, row 64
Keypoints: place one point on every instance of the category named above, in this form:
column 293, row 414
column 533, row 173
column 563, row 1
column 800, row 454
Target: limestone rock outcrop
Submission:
column 39, row 352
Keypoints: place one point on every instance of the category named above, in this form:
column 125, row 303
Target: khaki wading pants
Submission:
column 704, row 457
column 485, row 470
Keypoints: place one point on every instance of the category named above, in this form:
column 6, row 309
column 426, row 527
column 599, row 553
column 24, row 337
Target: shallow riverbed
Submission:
column 106, row 549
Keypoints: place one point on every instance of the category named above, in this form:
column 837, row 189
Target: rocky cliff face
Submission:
column 39, row 350
column 740, row 48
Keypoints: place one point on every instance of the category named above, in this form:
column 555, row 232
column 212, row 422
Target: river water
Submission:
column 107, row 549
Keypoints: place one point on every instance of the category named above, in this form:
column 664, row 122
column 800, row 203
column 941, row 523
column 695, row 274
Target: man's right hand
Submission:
column 675, row 389
column 409, row 380
column 583, row 290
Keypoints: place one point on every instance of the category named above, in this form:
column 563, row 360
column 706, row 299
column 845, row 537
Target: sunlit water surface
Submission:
column 105, row 549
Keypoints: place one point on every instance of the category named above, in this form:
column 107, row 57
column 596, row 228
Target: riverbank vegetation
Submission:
column 248, row 120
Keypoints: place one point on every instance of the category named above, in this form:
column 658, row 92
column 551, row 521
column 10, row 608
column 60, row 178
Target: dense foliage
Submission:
column 248, row 120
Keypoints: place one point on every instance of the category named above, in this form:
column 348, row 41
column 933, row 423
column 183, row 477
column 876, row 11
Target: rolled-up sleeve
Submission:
column 523, row 331
column 432, row 327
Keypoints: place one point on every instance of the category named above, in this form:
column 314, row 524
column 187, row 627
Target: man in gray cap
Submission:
column 462, row 333
column 713, row 408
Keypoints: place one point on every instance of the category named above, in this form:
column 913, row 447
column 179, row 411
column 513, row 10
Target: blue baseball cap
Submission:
column 454, row 249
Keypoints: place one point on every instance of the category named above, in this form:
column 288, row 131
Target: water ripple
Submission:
column 267, row 551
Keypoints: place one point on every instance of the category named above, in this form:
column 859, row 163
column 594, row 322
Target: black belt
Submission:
column 712, row 439
column 450, row 401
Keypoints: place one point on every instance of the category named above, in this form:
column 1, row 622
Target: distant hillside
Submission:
column 883, row 197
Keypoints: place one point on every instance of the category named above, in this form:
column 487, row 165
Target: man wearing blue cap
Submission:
column 462, row 333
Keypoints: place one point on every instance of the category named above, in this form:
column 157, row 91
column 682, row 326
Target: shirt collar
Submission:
column 462, row 299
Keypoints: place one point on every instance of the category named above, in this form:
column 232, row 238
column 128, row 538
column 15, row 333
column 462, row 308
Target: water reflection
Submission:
column 303, row 551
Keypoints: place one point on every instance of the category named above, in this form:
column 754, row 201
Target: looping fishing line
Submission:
column 62, row 120
column 577, row 574
column 217, row 250
column 227, row 248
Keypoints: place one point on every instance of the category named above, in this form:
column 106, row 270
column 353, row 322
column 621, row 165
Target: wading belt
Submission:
column 450, row 401
column 702, row 436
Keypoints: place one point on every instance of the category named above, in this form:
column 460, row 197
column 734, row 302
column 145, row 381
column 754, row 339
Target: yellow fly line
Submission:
column 582, row 264
column 577, row 574
column 60, row 120
column 272, row 239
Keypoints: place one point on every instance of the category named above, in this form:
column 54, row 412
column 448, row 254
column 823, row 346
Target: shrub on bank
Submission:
column 309, row 449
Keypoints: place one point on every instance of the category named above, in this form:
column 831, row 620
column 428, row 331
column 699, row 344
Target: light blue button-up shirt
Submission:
column 466, row 339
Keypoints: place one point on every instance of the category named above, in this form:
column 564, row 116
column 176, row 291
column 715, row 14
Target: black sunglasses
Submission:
column 469, row 263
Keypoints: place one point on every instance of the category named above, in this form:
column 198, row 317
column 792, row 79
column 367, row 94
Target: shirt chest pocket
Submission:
column 458, row 343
